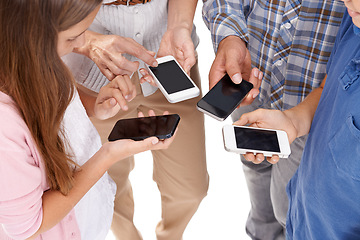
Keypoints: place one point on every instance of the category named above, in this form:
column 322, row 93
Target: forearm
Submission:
column 181, row 13
column 303, row 114
column 56, row 205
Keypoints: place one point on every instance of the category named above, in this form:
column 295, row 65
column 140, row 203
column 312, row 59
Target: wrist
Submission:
column 88, row 45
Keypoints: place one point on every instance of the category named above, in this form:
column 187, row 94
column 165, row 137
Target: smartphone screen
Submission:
column 140, row 128
column 171, row 77
column 257, row 139
column 224, row 97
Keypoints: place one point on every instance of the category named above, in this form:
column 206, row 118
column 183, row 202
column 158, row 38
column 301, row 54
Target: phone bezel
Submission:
column 200, row 105
column 230, row 142
column 161, row 137
column 180, row 95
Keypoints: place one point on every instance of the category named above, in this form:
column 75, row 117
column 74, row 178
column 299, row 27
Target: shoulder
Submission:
column 20, row 171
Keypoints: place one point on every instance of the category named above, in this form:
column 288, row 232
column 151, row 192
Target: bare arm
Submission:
column 56, row 205
column 177, row 39
column 295, row 121
column 303, row 114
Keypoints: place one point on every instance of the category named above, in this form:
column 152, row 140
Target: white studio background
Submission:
column 223, row 212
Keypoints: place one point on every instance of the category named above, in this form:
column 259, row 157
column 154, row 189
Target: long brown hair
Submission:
column 33, row 74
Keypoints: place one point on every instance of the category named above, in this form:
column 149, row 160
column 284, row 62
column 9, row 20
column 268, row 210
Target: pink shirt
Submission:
column 23, row 182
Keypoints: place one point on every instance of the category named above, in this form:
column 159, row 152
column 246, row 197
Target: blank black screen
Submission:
column 256, row 139
column 140, row 128
column 225, row 96
column 171, row 77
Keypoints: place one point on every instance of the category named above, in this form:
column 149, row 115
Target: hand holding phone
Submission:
column 172, row 80
column 242, row 140
column 223, row 98
column 140, row 128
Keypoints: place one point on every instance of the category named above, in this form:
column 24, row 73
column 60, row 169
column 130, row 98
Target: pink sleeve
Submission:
column 20, row 181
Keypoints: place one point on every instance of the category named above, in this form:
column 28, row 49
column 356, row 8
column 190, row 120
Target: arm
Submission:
column 177, row 39
column 296, row 121
column 302, row 115
column 228, row 28
column 56, row 206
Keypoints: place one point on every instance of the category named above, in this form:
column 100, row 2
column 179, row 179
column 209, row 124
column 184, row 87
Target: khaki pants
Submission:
column 179, row 171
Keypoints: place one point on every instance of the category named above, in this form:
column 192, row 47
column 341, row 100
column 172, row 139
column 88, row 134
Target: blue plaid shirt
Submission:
column 290, row 41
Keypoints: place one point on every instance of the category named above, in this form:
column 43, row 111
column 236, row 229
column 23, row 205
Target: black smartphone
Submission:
column 140, row 128
column 223, row 98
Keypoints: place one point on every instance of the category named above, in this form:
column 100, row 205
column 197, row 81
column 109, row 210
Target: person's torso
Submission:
column 324, row 193
column 291, row 41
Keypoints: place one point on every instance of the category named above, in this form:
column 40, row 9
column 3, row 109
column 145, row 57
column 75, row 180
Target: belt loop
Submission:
column 127, row 3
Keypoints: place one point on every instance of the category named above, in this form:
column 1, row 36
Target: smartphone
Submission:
column 241, row 139
column 172, row 80
column 140, row 128
column 223, row 98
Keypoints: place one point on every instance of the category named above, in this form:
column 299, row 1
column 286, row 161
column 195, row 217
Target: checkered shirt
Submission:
column 290, row 41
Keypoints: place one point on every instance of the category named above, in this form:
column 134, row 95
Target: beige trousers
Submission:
column 179, row 171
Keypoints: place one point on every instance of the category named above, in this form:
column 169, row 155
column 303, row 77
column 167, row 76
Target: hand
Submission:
column 113, row 97
column 232, row 57
column 177, row 42
column 255, row 78
column 106, row 51
column 272, row 119
column 146, row 77
column 121, row 149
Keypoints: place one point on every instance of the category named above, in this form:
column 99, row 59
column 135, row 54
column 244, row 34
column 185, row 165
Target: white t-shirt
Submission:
column 95, row 210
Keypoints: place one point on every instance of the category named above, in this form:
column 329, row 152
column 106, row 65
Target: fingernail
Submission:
column 128, row 97
column 125, row 108
column 148, row 79
column 261, row 75
column 155, row 64
column 112, row 102
column 237, row 78
column 154, row 141
column 255, row 95
column 256, row 73
column 142, row 71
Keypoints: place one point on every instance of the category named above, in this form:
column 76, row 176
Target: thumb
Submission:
column 233, row 67
column 146, row 144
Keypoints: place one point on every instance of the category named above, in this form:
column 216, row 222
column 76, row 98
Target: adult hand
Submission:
column 113, row 97
column 271, row 119
column 233, row 58
column 106, row 51
column 177, row 42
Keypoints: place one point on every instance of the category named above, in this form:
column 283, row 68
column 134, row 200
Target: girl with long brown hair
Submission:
column 53, row 181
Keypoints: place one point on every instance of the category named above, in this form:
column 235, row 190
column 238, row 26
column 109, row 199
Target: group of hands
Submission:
column 232, row 57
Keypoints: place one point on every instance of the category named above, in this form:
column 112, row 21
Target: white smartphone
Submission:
column 172, row 80
column 241, row 139
column 223, row 98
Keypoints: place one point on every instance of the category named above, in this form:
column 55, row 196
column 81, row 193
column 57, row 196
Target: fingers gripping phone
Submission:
column 172, row 80
column 241, row 139
column 141, row 128
column 223, row 98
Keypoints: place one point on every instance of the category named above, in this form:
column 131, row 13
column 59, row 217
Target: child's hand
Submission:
column 114, row 96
